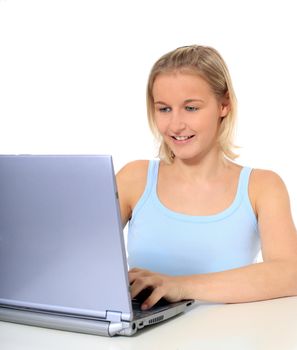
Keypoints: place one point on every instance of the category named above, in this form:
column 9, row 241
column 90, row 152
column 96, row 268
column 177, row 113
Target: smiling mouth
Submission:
column 182, row 138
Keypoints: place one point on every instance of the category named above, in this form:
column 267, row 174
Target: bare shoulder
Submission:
column 131, row 182
column 265, row 180
column 133, row 171
column 266, row 187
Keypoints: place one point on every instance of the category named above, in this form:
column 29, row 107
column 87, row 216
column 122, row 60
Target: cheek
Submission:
column 209, row 124
column 213, row 128
column 211, row 120
column 208, row 127
column 161, row 124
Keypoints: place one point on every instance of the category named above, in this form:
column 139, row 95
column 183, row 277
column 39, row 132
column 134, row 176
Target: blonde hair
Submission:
column 209, row 65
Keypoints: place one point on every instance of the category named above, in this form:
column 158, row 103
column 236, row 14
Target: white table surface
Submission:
column 265, row 325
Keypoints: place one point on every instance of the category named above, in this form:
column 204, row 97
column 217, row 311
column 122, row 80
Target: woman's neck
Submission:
column 206, row 168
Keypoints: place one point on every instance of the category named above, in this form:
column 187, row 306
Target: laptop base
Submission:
column 85, row 325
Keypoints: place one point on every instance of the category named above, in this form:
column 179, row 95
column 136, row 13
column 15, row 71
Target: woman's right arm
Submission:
column 131, row 181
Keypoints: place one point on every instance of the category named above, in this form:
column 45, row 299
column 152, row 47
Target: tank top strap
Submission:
column 151, row 184
column 150, row 194
column 243, row 184
column 152, row 175
column 153, row 171
column 243, row 192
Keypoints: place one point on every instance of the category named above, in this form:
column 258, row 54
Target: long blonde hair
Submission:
column 209, row 65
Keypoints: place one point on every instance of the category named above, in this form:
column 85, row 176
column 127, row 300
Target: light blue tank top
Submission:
column 165, row 241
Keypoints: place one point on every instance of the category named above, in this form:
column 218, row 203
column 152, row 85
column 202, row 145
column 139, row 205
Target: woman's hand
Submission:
column 163, row 286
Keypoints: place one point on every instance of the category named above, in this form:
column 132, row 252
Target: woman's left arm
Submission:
column 275, row 277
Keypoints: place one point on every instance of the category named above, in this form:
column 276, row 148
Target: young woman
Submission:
column 197, row 220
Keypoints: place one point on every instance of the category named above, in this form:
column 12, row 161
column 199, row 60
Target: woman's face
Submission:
column 187, row 114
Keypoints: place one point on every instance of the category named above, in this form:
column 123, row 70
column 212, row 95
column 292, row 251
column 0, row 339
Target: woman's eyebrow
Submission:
column 193, row 100
column 160, row 102
column 188, row 100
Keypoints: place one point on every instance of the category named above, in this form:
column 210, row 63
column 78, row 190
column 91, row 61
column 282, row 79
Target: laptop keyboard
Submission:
column 160, row 306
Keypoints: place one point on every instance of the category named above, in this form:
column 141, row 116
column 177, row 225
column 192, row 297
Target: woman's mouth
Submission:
column 182, row 139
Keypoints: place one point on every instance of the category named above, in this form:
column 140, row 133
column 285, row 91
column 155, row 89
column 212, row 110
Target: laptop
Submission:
column 62, row 253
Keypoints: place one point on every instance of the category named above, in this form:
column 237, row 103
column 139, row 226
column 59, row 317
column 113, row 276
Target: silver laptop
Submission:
column 62, row 254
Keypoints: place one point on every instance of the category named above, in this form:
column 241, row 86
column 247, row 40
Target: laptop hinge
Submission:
column 114, row 316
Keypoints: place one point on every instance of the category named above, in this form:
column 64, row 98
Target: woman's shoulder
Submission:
column 133, row 171
column 266, row 186
column 263, row 178
column 131, row 181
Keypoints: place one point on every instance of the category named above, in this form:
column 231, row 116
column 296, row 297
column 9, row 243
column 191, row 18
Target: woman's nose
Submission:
column 177, row 122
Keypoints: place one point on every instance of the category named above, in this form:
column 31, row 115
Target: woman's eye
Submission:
column 165, row 109
column 191, row 108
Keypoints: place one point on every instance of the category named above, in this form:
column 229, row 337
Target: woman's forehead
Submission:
column 180, row 83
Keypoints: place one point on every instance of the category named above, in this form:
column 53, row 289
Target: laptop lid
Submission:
column 59, row 216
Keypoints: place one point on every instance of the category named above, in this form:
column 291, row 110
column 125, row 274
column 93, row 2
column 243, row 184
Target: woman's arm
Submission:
column 275, row 277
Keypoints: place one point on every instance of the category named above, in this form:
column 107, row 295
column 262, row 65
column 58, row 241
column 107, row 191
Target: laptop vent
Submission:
column 156, row 319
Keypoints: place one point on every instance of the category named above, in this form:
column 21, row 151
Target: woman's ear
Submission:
column 225, row 105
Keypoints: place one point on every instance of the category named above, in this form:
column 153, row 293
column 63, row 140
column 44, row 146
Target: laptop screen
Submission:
column 61, row 242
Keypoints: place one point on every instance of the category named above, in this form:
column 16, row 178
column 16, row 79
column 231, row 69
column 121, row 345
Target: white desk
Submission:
column 264, row 325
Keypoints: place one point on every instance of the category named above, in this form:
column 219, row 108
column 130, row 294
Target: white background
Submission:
column 73, row 74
